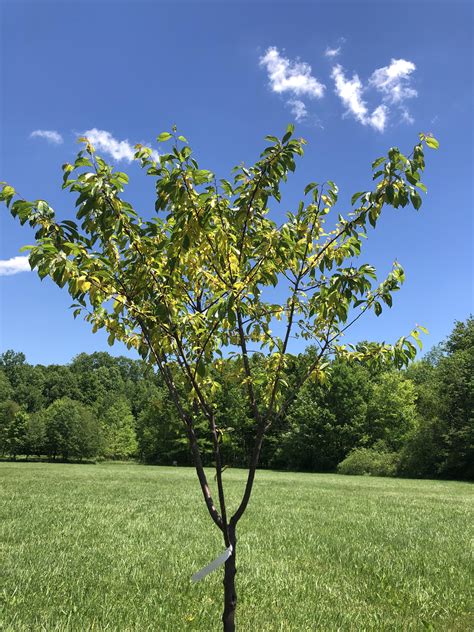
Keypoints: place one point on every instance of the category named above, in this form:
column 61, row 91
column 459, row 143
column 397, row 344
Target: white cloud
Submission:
column 118, row 149
column 378, row 118
column 350, row 93
column 332, row 52
column 295, row 79
column 14, row 265
column 289, row 76
column 407, row 117
column 298, row 109
column 393, row 81
column 50, row 135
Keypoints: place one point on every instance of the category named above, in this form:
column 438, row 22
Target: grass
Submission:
column 113, row 547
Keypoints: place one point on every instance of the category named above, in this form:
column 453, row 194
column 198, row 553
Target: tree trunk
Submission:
column 230, row 596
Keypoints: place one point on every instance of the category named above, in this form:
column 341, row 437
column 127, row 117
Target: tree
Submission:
column 26, row 380
column 326, row 421
column 118, row 429
column 35, row 435
column 455, row 373
column 190, row 282
column 71, row 430
column 6, row 390
column 443, row 442
column 10, row 361
column 159, row 432
column 59, row 381
column 97, row 376
column 391, row 412
column 13, row 428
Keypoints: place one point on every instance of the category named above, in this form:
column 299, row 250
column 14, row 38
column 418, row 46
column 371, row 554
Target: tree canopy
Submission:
column 190, row 284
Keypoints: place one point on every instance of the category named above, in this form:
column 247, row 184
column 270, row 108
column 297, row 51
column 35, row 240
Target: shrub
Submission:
column 369, row 461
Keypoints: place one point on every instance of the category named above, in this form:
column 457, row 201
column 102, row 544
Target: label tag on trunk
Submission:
column 223, row 557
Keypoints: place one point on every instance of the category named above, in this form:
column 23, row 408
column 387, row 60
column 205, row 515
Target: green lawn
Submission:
column 113, row 547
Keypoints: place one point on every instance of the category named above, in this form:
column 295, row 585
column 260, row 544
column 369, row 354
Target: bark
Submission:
column 230, row 595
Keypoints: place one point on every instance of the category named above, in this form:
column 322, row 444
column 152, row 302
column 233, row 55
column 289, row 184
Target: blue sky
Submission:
column 356, row 78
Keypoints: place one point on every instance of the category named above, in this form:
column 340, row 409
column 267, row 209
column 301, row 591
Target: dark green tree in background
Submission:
column 71, row 430
column 443, row 443
column 13, row 428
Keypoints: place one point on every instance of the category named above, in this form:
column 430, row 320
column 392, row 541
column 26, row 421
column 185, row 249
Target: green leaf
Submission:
column 421, row 186
column 201, row 368
column 373, row 217
column 432, row 142
column 356, row 196
column 289, row 132
column 200, row 176
column 162, row 311
column 415, row 199
column 309, row 187
column 164, row 136
column 378, row 162
column 390, row 193
column 7, row 193
column 412, row 177
column 416, row 338
column 186, row 242
column 122, row 177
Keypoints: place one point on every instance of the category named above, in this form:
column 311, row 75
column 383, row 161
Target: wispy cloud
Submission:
column 48, row 134
column 118, row 149
column 350, row 92
column 393, row 81
column 298, row 109
column 295, row 80
column 14, row 265
column 378, row 118
column 332, row 52
column 407, row 117
column 293, row 77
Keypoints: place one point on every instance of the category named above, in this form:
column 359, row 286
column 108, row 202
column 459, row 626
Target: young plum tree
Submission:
column 191, row 281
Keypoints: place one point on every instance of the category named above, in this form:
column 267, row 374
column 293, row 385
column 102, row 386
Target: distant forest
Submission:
column 417, row 422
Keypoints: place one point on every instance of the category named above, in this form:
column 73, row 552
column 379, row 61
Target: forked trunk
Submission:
column 230, row 596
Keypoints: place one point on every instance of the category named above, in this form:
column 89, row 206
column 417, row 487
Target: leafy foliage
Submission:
column 71, row 430
column 118, row 430
column 423, row 413
column 391, row 411
column 13, row 427
column 190, row 284
column 198, row 273
column 377, row 461
column 443, row 444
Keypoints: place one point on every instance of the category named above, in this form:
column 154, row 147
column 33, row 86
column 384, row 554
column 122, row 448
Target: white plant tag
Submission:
column 223, row 557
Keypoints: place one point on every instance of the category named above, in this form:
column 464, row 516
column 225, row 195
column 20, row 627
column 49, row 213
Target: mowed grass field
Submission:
column 113, row 547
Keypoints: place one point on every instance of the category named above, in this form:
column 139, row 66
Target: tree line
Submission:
column 416, row 422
